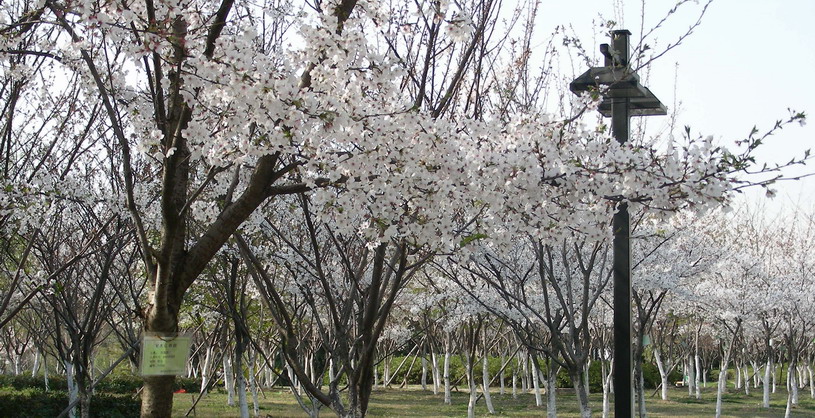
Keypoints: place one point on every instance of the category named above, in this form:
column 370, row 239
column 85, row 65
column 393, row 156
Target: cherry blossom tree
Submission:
column 390, row 117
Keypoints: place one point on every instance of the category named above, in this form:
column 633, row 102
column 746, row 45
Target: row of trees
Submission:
column 171, row 163
column 710, row 293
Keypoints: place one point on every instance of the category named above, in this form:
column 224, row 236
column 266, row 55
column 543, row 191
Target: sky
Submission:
column 746, row 64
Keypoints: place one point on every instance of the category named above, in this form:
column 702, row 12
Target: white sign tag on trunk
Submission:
column 165, row 354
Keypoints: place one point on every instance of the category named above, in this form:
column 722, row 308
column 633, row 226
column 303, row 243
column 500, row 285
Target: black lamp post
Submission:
column 623, row 97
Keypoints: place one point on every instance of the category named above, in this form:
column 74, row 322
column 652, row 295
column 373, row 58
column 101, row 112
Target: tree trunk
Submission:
column 434, row 364
column 229, row 381
column 253, row 383
column 73, row 391
column 45, row 372
column 578, row 381
column 699, row 372
column 205, row 369
column 424, row 371
column 551, row 391
column 514, row 383
column 639, row 389
column 793, row 375
column 536, row 382
column 720, row 388
column 501, row 377
column 663, row 374
column 765, row 402
column 691, row 372
column 157, row 396
column 84, row 401
column 471, row 384
column 606, row 375
column 35, row 368
column 485, row 378
column 447, row 398
column 240, row 380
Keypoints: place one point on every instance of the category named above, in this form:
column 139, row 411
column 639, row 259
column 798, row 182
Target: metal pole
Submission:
column 620, row 116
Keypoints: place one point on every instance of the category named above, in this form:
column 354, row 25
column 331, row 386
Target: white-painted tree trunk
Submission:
column 485, row 384
column 551, row 391
column 793, row 375
column 471, row 384
column 376, row 376
column 447, row 397
column 698, row 372
column 386, row 371
column 765, row 400
column 606, row 375
column 524, row 372
column 434, row 364
column 240, row 382
column 253, row 383
column 738, row 375
column 536, row 384
column 663, row 374
column 746, row 371
column 720, row 388
column 205, row 370
column 788, row 410
column 73, row 390
column 811, row 380
column 35, row 368
column 45, row 372
column 514, row 384
column 229, row 381
column 691, row 372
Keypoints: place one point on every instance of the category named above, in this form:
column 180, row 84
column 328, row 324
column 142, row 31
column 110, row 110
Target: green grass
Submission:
column 415, row 402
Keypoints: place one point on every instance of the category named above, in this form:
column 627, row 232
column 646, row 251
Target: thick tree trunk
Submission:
column 157, row 396
column 582, row 395
column 84, row 401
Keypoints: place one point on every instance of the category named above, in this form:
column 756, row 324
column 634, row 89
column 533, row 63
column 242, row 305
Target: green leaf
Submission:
column 470, row 238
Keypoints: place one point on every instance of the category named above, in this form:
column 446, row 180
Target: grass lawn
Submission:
column 415, row 402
